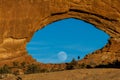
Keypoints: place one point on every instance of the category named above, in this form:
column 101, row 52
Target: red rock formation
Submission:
column 109, row 54
column 19, row 19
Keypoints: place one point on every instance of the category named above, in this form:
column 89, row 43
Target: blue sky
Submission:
column 64, row 40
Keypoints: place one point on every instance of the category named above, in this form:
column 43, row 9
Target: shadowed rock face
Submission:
column 19, row 19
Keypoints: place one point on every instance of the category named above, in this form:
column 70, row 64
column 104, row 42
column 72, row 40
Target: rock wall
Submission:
column 19, row 19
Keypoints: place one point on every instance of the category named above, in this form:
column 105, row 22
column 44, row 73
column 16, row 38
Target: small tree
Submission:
column 78, row 57
column 74, row 62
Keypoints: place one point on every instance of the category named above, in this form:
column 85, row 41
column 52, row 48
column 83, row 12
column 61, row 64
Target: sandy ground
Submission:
column 78, row 74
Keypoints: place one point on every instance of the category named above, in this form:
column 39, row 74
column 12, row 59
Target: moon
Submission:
column 62, row 55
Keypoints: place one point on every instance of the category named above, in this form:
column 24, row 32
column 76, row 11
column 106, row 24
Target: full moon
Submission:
column 62, row 55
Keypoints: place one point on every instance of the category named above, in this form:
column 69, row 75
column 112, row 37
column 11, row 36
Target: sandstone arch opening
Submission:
column 63, row 40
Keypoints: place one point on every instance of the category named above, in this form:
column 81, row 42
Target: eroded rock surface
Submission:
column 19, row 19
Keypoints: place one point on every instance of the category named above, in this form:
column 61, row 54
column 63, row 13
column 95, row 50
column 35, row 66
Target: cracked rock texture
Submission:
column 19, row 19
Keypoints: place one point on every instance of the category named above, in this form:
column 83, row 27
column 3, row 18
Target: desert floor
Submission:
column 78, row 74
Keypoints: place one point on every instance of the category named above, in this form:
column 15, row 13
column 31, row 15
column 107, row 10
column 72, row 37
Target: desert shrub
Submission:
column 15, row 64
column 5, row 69
column 82, row 65
column 23, row 64
column 88, row 66
column 15, row 73
column 69, row 67
column 115, row 64
column 52, row 70
column 32, row 68
column 43, row 70
column 72, row 65
column 73, row 62
column 18, row 78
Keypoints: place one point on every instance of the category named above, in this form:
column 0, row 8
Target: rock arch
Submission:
column 19, row 19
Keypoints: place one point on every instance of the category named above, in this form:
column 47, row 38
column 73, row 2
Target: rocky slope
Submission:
column 19, row 19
